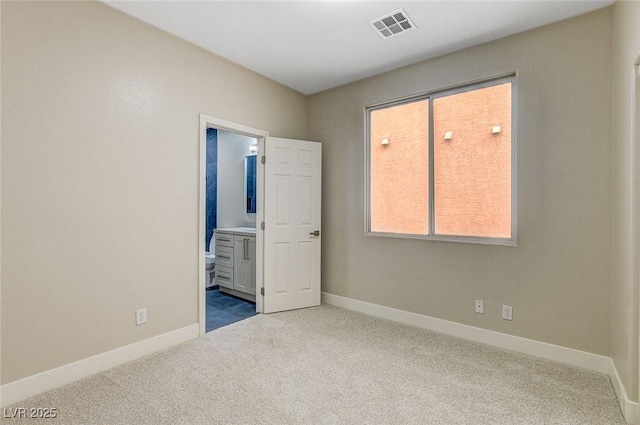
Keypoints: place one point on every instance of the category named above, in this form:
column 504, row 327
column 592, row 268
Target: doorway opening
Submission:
column 230, row 223
column 230, row 249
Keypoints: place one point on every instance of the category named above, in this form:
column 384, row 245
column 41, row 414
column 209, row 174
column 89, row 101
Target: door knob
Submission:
column 315, row 233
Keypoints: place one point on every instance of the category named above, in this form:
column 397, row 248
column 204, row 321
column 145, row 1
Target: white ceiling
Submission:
column 312, row 46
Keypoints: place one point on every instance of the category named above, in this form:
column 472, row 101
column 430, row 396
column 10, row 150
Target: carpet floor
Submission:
column 327, row 365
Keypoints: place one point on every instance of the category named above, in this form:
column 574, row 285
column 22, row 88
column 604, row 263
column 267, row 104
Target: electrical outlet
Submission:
column 141, row 316
column 507, row 312
column 480, row 306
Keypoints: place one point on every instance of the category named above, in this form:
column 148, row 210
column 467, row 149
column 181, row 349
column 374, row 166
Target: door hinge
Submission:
column 263, row 159
column 262, row 225
column 262, row 291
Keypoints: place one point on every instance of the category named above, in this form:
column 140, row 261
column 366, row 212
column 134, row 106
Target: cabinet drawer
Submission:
column 224, row 276
column 224, row 256
column 224, row 239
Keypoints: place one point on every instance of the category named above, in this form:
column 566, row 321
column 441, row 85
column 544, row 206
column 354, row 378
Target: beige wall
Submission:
column 626, row 163
column 100, row 145
column 558, row 277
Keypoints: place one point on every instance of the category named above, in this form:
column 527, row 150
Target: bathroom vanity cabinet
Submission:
column 236, row 261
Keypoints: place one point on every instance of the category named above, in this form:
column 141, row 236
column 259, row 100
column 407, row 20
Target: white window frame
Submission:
column 431, row 96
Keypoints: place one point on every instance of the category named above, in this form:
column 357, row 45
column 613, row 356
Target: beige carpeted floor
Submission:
column 327, row 365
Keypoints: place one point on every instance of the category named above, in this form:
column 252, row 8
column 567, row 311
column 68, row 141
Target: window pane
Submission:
column 472, row 170
column 399, row 169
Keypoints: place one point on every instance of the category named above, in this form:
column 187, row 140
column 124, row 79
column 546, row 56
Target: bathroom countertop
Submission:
column 245, row 231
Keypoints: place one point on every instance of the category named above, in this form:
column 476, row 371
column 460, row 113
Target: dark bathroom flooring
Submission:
column 223, row 309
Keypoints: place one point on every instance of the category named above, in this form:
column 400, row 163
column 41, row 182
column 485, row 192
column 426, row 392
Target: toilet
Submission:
column 210, row 261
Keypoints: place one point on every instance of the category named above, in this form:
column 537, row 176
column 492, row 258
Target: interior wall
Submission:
column 232, row 149
column 626, row 201
column 558, row 277
column 100, row 176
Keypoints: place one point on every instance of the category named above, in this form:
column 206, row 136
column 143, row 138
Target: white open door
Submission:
column 292, row 201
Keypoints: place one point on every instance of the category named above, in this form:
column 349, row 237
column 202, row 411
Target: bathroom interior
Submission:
column 230, row 238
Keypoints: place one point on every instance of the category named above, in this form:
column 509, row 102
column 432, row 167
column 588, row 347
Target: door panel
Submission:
column 305, row 266
column 283, row 195
column 252, row 266
column 292, row 224
column 242, row 269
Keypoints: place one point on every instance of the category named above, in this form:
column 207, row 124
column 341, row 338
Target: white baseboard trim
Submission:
column 16, row 391
column 630, row 409
column 594, row 362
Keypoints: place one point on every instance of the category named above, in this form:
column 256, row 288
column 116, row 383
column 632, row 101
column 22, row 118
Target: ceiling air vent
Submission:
column 392, row 23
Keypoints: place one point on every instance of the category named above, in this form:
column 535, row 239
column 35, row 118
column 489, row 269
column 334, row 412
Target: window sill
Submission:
column 448, row 238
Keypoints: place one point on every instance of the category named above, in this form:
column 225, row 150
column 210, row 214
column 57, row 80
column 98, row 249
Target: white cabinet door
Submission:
column 244, row 276
column 252, row 266
column 242, row 263
column 292, row 199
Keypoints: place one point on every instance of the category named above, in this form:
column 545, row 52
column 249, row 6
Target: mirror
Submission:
column 250, row 165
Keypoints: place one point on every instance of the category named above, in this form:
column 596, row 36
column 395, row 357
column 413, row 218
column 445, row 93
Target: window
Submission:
column 440, row 165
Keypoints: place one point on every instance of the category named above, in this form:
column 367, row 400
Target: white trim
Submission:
column 16, row 391
column 207, row 121
column 259, row 232
column 594, row 362
column 635, row 202
column 221, row 124
column 570, row 356
column 630, row 409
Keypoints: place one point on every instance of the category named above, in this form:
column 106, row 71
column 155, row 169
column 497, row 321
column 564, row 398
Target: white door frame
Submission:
column 207, row 121
column 635, row 194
